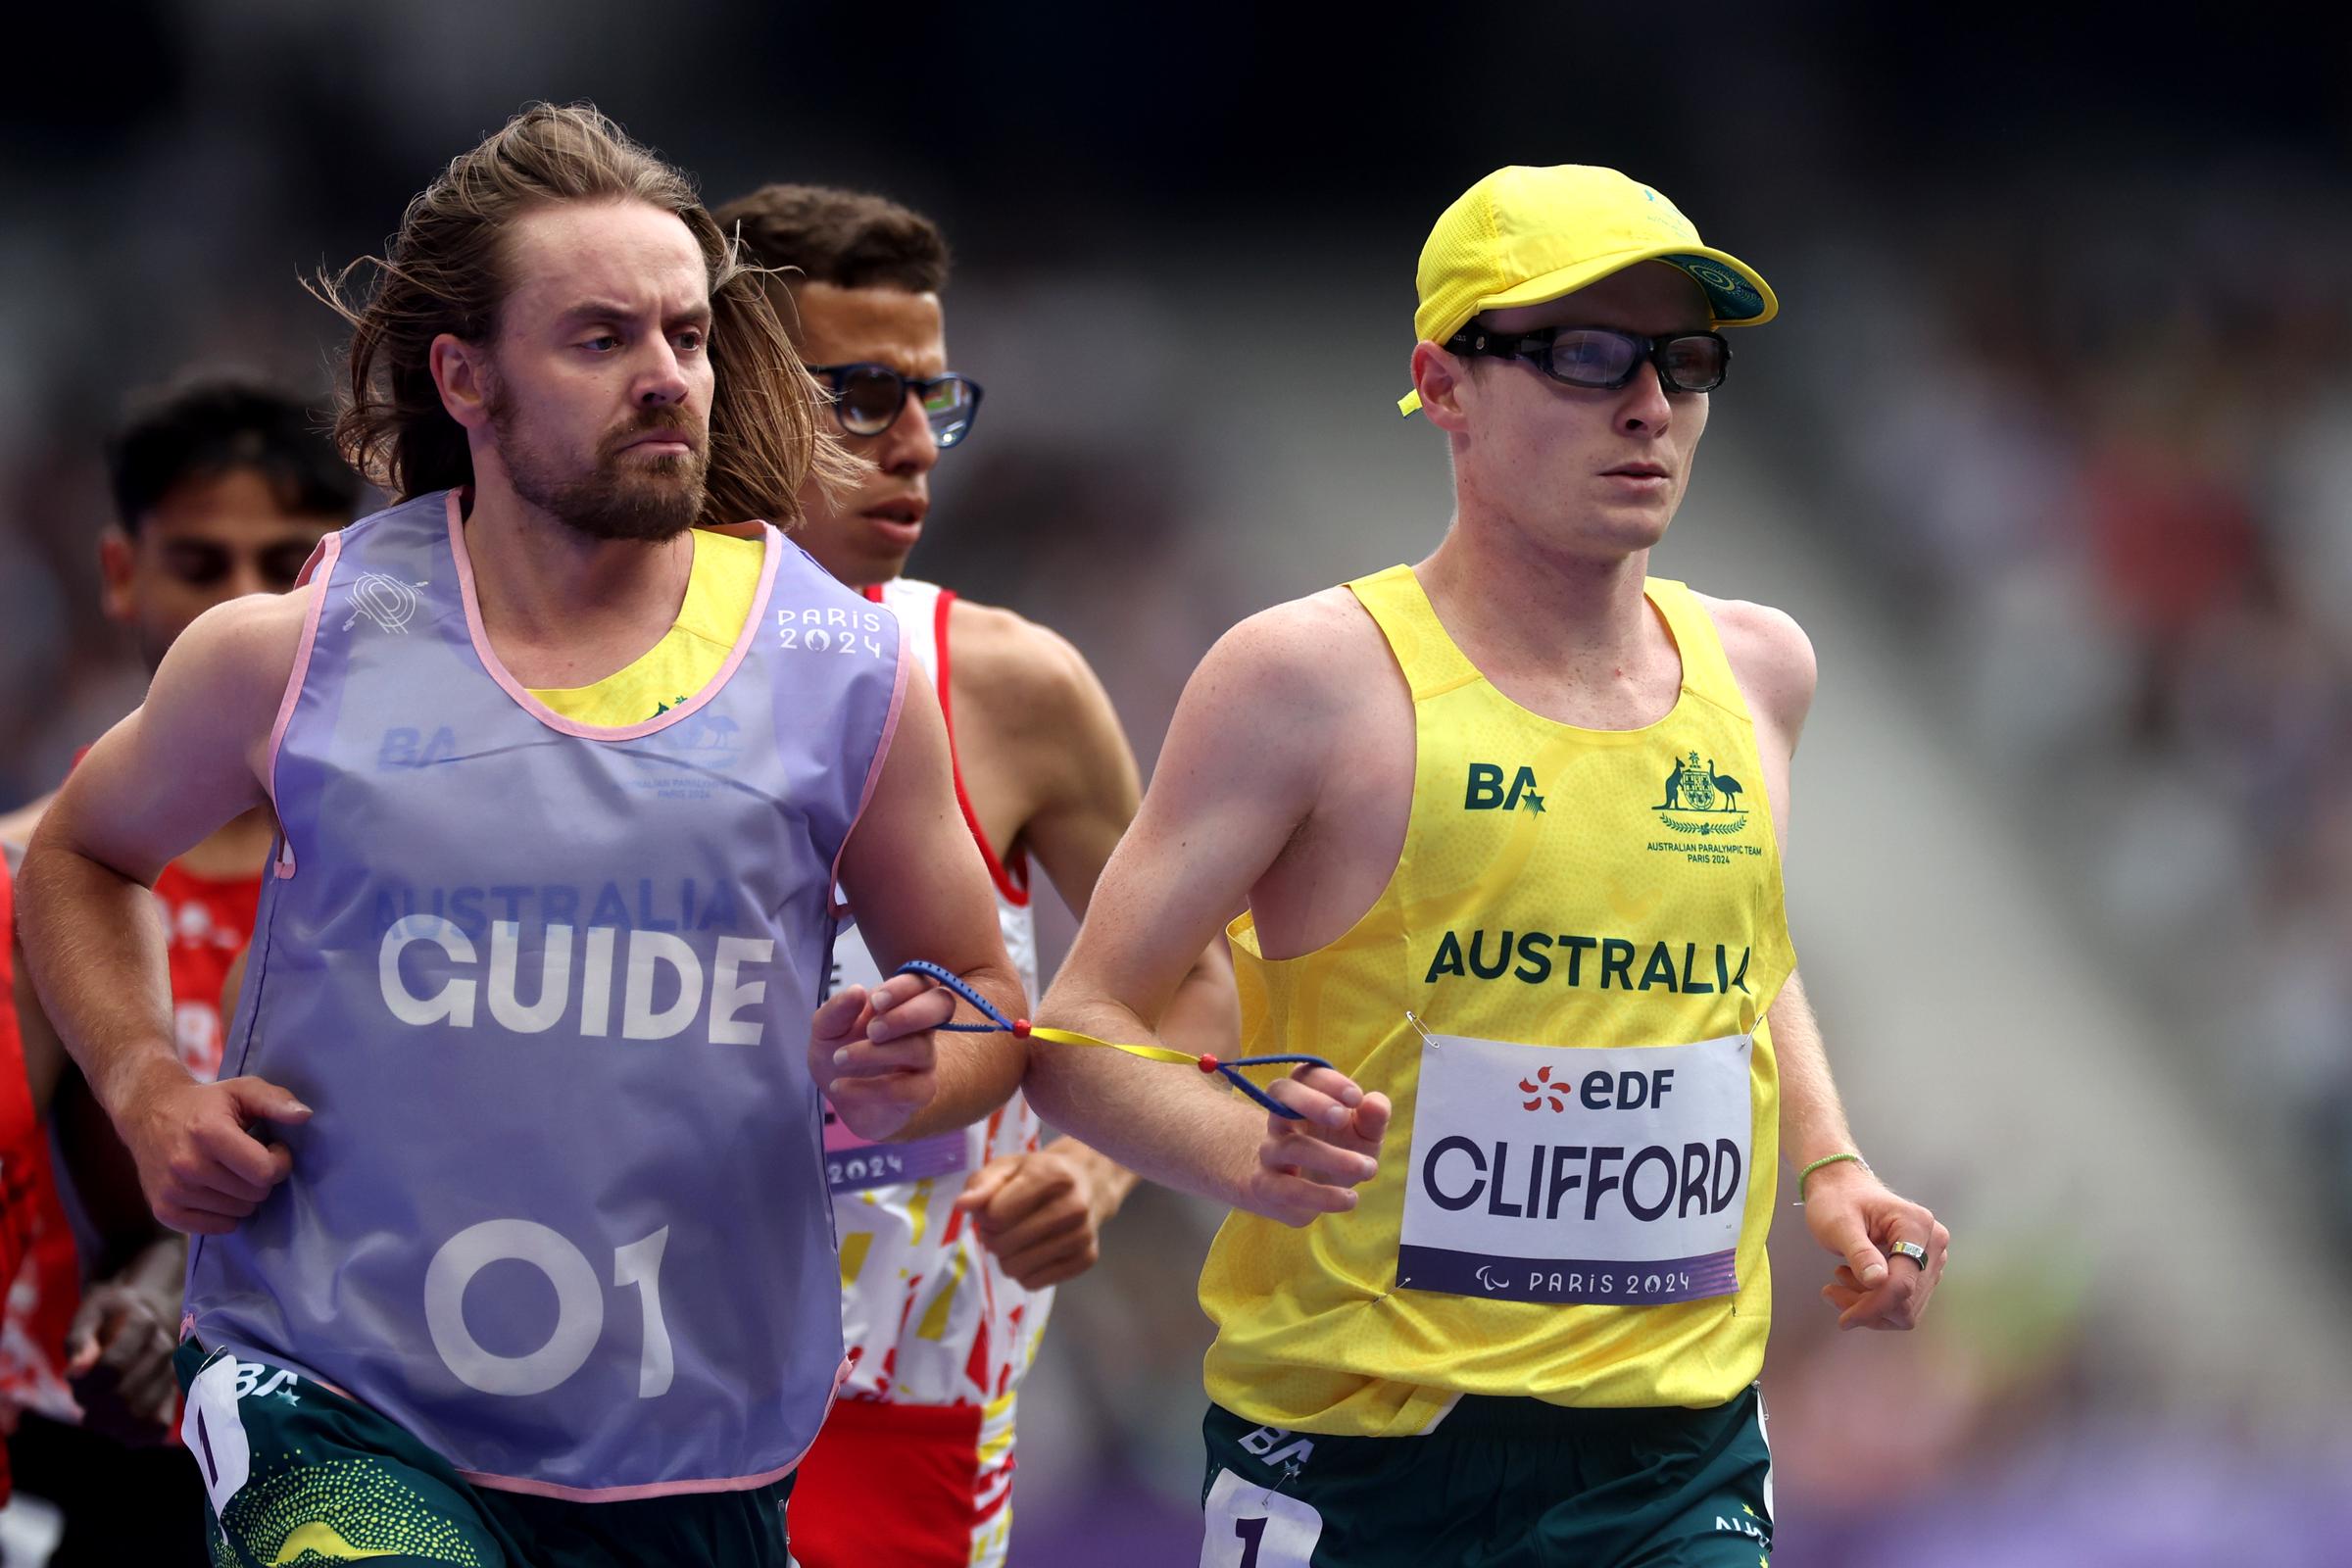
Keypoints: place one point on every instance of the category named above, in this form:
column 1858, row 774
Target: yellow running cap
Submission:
column 1524, row 235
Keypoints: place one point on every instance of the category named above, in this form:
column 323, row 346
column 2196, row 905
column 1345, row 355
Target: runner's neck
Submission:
column 561, row 609
column 1547, row 620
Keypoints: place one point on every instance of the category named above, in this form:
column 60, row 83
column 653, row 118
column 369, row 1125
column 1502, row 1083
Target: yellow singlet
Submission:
column 720, row 590
column 1604, row 903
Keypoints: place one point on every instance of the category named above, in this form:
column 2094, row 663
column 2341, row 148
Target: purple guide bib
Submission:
column 562, row 1210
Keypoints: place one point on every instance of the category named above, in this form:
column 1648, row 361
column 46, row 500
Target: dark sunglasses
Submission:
column 1604, row 359
column 868, row 398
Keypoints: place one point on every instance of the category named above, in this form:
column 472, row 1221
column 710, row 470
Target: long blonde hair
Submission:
column 442, row 273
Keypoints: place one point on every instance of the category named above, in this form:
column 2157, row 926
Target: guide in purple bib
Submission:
column 561, row 1212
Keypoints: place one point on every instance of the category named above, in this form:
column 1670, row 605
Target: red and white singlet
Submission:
column 938, row 1337
column 207, row 924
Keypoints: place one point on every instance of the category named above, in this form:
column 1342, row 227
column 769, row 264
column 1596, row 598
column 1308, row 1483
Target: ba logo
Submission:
column 412, row 748
column 1486, row 792
column 1267, row 1445
column 386, row 601
column 1700, row 801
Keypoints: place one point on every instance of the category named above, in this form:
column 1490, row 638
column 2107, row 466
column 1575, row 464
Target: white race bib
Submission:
column 1248, row 1526
column 214, row 1433
column 1615, row 1176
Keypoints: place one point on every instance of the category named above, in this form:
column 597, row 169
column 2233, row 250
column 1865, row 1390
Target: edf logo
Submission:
column 1486, row 794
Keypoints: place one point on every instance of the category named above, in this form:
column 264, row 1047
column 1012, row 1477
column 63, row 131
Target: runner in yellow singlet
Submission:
column 1535, row 1340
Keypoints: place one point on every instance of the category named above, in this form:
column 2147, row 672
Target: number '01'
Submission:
column 580, row 1308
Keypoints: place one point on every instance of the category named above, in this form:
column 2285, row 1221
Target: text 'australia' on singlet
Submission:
column 929, row 1316
column 560, row 1210
column 1573, row 1198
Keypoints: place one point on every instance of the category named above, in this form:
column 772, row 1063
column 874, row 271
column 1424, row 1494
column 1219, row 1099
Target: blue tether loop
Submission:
column 996, row 1021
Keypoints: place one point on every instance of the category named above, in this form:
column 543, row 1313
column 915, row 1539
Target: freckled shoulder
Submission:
column 1321, row 649
column 1308, row 682
column 1772, row 658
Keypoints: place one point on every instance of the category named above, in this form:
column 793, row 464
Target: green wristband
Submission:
column 1826, row 1159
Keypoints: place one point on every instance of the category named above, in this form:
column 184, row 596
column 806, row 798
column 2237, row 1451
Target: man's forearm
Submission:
column 94, row 944
column 1202, row 1018
column 1165, row 1124
column 1812, row 1119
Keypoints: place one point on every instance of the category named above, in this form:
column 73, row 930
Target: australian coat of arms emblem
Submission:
column 1700, row 800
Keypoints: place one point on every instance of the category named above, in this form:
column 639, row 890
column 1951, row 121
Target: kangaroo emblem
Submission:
column 1694, row 786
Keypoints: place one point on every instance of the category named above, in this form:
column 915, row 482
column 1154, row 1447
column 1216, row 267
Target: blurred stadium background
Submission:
column 2051, row 452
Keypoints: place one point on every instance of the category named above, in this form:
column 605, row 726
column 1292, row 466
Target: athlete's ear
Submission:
column 1438, row 377
column 462, row 374
column 117, row 556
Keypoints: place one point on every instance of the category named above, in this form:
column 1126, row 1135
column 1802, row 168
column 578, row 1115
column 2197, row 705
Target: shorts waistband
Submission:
column 1485, row 1415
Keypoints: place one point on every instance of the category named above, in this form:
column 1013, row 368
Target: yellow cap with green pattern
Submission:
column 1522, row 235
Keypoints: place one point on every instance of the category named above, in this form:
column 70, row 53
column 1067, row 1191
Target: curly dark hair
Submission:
column 850, row 239
column 212, row 421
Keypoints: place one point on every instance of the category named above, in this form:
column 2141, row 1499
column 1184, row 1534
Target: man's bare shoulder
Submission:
column 1311, row 653
column 1267, row 721
column 1292, row 670
column 1021, row 667
column 1772, row 656
column 195, row 754
column 259, row 634
column 1328, row 613
column 230, row 669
